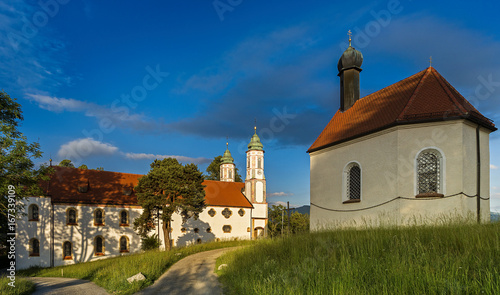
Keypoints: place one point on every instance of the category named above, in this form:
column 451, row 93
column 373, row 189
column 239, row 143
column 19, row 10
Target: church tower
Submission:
column 349, row 67
column 227, row 167
column 255, row 185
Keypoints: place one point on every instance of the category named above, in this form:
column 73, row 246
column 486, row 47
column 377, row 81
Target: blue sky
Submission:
column 119, row 83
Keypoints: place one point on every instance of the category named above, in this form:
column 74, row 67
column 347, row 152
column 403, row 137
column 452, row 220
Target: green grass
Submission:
column 21, row 286
column 112, row 273
column 450, row 259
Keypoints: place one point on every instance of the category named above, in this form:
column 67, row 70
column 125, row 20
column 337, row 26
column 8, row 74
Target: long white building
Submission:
column 88, row 215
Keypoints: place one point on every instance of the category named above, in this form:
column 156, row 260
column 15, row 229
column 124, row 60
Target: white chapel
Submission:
column 415, row 152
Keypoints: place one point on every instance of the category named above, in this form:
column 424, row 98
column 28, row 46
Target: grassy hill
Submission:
column 452, row 259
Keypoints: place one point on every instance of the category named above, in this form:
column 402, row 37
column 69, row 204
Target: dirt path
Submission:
column 63, row 286
column 191, row 275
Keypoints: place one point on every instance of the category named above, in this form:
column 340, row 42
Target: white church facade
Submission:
column 88, row 215
column 415, row 152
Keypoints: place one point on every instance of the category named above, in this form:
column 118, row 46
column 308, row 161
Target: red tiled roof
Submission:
column 104, row 187
column 423, row 97
column 109, row 188
column 228, row 194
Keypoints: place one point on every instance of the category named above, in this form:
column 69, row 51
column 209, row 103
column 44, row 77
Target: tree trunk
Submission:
column 166, row 235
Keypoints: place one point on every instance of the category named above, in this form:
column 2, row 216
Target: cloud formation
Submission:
column 279, row 194
column 81, row 148
column 493, row 167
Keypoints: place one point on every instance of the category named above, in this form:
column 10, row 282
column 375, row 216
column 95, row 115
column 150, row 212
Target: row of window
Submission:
column 226, row 212
column 428, row 170
column 225, row 228
column 72, row 217
column 34, row 247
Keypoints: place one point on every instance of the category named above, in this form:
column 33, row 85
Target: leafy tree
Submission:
column 214, row 171
column 150, row 242
column 66, row 163
column 99, row 169
column 16, row 162
column 278, row 220
column 83, row 167
column 170, row 188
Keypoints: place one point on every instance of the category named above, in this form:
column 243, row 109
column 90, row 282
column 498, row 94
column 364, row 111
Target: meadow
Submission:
column 448, row 259
column 112, row 273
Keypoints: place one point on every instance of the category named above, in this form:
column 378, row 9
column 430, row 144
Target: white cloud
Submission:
column 143, row 156
column 493, row 167
column 279, row 194
column 109, row 117
column 85, row 147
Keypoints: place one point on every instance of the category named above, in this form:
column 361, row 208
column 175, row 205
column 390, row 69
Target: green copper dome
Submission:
column 255, row 143
column 227, row 158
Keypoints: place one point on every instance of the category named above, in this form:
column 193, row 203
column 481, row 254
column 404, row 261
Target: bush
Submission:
column 151, row 243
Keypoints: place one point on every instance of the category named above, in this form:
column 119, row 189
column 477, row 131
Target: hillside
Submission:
column 451, row 259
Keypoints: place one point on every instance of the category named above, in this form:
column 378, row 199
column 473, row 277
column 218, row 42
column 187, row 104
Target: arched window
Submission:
column 67, row 253
column 230, row 174
column 259, row 163
column 33, row 213
column 429, row 172
column 124, row 244
column 123, row 218
column 71, row 216
column 34, row 247
column 352, row 182
column 99, row 246
column 99, row 217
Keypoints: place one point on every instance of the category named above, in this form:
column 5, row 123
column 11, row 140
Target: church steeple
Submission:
column 255, row 185
column 349, row 67
column 227, row 167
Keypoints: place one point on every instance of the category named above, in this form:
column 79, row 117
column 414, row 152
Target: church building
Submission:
column 415, row 152
column 88, row 215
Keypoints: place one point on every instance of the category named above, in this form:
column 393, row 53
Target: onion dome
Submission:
column 351, row 58
column 255, row 143
column 227, row 158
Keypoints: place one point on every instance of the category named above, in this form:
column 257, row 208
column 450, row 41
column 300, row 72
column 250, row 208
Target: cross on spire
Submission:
column 430, row 61
column 349, row 33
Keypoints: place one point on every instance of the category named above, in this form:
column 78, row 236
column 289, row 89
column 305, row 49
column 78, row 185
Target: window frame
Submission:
column 31, row 250
column 30, row 212
column 345, row 174
column 102, row 223
column 68, row 217
column 66, row 257
column 103, row 250
column 442, row 173
column 127, row 218
column 127, row 250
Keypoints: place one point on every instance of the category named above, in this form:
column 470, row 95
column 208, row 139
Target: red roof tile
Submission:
column 110, row 188
column 423, row 97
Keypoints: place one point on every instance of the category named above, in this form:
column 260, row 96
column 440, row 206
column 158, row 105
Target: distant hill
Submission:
column 303, row 209
column 494, row 216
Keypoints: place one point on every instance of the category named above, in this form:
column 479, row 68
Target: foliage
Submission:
column 278, row 219
column 99, row 169
column 22, row 286
column 172, row 188
column 16, row 162
column 112, row 273
column 451, row 259
column 150, row 243
column 66, row 163
column 213, row 171
column 83, row 167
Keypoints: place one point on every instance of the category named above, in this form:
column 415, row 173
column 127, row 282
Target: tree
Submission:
column 66, row 163
column 83, row 167
column 278, row 220
column 168, row 188
column 16, row 163
column 214, row 171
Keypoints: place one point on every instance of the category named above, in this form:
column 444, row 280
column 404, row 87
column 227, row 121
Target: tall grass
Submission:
column 112, row 273
column 451, row 259
column 21, row 286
